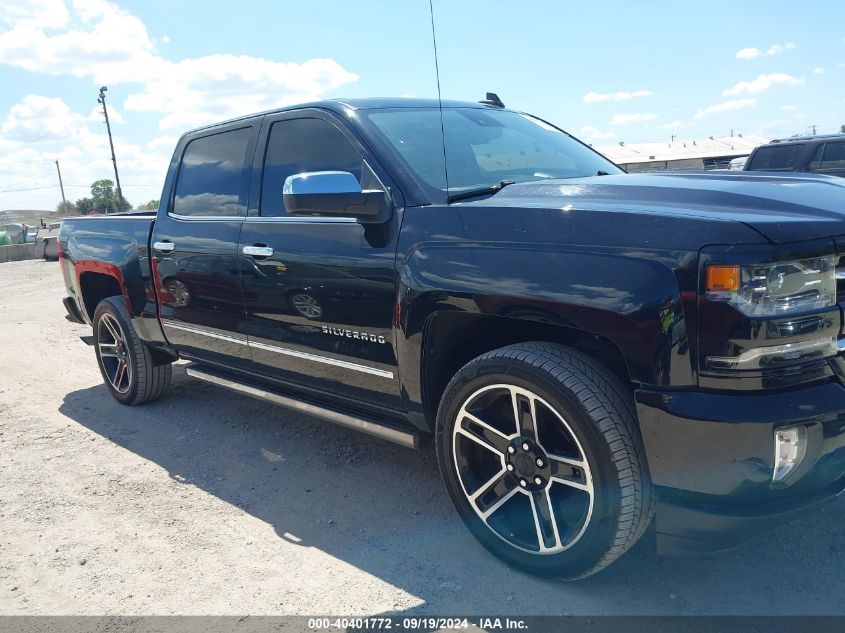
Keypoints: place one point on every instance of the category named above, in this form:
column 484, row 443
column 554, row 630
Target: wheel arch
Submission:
column 95, row 286
column 451, row 339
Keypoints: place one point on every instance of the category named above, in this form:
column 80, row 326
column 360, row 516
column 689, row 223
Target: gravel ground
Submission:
column 210, row 503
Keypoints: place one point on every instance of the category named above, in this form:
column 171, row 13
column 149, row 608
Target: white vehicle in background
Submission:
column 737, row 164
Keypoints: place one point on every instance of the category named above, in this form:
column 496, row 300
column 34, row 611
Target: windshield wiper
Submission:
column 481, row 191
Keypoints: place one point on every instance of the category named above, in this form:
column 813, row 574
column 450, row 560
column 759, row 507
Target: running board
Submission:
column 408, row 439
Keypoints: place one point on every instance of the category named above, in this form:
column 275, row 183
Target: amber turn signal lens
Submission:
column 722, row 278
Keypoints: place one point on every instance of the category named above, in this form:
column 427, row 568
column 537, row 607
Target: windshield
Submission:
column 483, row 147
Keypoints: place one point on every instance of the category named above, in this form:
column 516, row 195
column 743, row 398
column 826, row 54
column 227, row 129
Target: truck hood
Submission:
column 781, row 207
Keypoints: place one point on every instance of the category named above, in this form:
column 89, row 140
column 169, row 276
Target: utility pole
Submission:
column 102, row 100
column 61, row 186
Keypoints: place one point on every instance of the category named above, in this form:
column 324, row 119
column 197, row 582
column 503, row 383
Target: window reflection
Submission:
column 210, row 177
column 302, row 145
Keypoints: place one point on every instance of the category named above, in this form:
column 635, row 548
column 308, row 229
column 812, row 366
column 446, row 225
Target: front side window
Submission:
column 210, row 177
column 776, row 157
column 483, row 147
column 297, row 146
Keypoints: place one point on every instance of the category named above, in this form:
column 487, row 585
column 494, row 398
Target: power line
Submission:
column 26, row 162
column 28, row 189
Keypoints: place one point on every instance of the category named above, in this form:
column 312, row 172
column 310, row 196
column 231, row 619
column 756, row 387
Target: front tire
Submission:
column 540, row 452
column 127, row 366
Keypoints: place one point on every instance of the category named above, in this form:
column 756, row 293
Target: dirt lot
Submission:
column 210, row 503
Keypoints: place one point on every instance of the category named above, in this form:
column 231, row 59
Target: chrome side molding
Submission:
column 193, row 329
column 398, row 436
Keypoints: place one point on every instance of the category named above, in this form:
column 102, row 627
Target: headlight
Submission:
column 765, row 290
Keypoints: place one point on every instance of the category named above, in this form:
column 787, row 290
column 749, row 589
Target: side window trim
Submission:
column 811, row 165
column 245, row 182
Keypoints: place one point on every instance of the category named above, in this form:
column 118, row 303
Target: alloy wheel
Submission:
column 523, row 469
column 114, row 353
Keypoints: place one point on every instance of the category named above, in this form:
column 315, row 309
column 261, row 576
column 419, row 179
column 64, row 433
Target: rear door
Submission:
column 320, row 291
column 195, row 241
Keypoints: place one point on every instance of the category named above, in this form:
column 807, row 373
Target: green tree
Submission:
column 152, row 205
column 105, row 199
column 84, row 205
column 842, row 128
column 66, row 208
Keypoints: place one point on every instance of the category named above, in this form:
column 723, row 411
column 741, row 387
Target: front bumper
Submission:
column 711, row 458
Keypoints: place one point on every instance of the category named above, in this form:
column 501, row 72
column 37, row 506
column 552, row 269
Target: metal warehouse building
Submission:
column 708, row 153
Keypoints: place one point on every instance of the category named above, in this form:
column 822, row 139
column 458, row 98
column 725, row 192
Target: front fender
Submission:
column 632, row 299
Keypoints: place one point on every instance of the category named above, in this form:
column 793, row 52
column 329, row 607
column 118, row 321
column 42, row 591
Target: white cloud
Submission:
column 39, row 130
column 45, row 14
column 215, row 87
column 167, row 142
column 594, row 134
column 748, row 53
column 774, row 49
column 762, row 83
column 818, row 71
column 106, row 44
column 596, row 97
column 776, row 124
column 725, row 106
column 672, row 125
column 789, row 108
column 96, row 115
column 165, row 39
column 621, row 119
column 38, row 118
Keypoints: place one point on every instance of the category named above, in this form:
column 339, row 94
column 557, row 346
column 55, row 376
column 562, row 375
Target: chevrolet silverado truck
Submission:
column 591, row 352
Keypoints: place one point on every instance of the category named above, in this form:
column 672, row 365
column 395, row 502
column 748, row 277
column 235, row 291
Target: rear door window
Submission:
column 776, row 157
column 211, row 176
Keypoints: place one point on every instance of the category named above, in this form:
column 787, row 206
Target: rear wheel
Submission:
column 127, row 366
column 540, row 452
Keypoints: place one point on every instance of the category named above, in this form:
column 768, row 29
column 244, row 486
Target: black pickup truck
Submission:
column 591, row 351
column 819, row 154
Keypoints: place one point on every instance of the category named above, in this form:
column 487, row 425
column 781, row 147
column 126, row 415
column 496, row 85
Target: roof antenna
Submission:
column 493, row 100
column 439, row 98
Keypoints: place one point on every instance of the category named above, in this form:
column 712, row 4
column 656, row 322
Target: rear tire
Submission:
column 541, row 454
column 127, row 366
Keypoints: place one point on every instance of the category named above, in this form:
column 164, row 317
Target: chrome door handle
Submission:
column 257, row 251
column 164, row 247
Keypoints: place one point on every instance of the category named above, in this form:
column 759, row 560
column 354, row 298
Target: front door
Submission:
column 195, row 246
column 319, row 292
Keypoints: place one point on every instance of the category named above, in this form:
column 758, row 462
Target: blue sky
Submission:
column 607, row 72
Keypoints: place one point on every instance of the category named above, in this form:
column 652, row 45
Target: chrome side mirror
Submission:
column 334, row 194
